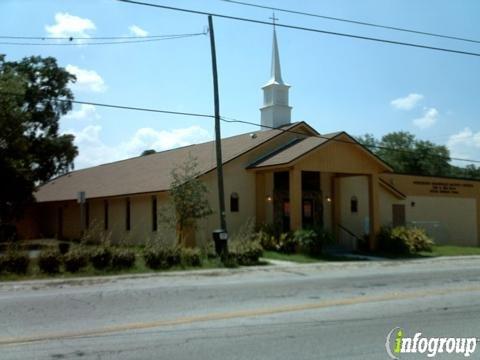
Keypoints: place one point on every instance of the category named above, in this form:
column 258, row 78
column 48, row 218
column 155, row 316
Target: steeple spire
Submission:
column 275, row 110
column 276, row 71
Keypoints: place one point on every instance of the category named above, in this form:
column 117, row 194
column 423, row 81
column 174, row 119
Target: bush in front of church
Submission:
column 246, row 253
column 101, row 257
column 15, row 261
column 75, row 260
column 403, row 240
column 191, row 257
column 123, row 259
column 160, row 256
column 49, row 261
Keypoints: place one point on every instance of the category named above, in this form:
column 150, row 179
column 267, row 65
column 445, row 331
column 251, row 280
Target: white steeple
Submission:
column 275, row 110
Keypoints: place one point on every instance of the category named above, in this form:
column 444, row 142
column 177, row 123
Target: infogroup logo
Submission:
column 397, row 343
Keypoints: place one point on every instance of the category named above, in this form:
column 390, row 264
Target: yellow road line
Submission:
column 235, row 314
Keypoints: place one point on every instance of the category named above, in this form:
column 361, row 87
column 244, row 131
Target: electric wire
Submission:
column 182, row 36
column 303, row 28
column 357, row 22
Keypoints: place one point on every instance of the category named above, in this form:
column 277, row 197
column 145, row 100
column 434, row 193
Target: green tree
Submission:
column 470, row 171
column 34, row 94
column 405, row 154
column 190, row 197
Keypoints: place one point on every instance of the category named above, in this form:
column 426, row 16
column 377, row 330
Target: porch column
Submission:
column 295, row 196
column 374, row 210
column 260, row 198
column 335, row 205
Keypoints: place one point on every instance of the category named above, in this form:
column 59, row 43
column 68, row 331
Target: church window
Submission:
column 234, row 202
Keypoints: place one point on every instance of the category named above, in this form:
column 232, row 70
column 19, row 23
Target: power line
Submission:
column 71, row 38
column 357, row 22
column 360, row 37
column 233, row 120
column 122, row 107
column 181, row 36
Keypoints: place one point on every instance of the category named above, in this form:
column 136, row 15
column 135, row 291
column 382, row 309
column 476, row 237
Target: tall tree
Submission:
column 34, row 94
column 406, row 154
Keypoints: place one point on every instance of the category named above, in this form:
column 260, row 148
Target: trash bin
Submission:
column 220, row 237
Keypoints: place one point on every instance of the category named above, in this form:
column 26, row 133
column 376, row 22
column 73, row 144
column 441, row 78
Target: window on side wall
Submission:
column 87, row 215
column 105, row 214
column 234, row 202
column 154, row 214
column 354, row 204
column 127, row 213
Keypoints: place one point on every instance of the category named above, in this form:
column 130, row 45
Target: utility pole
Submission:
column 218, row 139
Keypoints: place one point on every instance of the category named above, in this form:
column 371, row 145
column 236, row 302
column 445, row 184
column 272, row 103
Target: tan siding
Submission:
column 386, row 202
column 341, row 158
column 354, row 186
column 455, row 217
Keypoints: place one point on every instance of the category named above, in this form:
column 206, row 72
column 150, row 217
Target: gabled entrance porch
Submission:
column 326, row 183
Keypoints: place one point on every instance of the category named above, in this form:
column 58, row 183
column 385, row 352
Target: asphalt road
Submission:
column 320, row 311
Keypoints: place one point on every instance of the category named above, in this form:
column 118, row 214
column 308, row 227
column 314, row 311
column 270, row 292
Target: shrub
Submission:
column 269, row 236
column 306, row 239
column 123, row 259
column 283, row 242
column 161, row 256
column 268, row 241
column 312, row 241
column 16, row 262
column 230, row 261
column 101, row 257
column 246, row 252
column 191, row 257
column 63, row 247
column 49, row 261
column 75, row 260
column 403, row 241
column 2, row 264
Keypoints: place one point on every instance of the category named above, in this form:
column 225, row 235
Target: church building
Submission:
column 287, row 173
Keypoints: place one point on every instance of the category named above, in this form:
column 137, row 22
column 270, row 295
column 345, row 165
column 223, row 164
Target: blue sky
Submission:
column 337, row 83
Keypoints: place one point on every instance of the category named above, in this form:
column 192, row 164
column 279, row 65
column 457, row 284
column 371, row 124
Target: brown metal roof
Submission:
column 149, row 173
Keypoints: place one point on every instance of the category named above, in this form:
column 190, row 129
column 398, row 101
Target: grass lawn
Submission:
column 302, row 258
column 298, row 258
column 438, row 250
column 449, row 250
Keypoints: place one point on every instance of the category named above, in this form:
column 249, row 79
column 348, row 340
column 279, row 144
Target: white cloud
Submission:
column 464, row 144
column 137, row 30
column 93, row 151
column 85, row 112
column 429, row 118
column 408, row 102
column 87, row 79
column 67, row 25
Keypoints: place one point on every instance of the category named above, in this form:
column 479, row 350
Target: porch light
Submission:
column 269, row 198
column 328, row 198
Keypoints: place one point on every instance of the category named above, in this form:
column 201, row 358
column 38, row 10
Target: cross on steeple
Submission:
column 273, row 18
